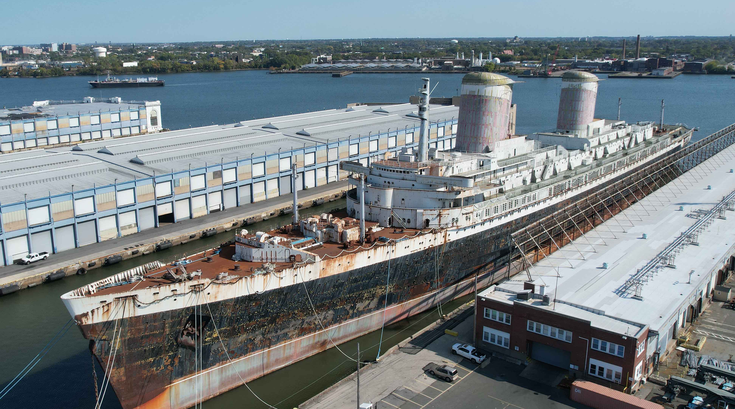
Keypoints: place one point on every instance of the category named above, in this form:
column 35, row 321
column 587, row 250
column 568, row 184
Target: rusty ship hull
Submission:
column 268, row 331
column 271, row 330
column 250, row 324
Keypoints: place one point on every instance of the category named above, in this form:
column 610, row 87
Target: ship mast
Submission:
column 424, row 116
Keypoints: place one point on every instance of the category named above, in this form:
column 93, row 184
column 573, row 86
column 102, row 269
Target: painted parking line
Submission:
column 456, row 382
column 417, row 392
column 429, row 385
column 384, row 403
column 715, row 335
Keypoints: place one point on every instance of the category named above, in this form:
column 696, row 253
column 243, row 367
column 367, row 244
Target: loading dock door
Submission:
column 42, row 242
column 230, row 198
column 65, row 238
column 550, row 355
column 86, row 233
column 146, row 219
column 17, row 247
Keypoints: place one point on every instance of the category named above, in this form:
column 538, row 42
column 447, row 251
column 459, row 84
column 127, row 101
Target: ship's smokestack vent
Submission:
column 484, row 111
column 577, row 101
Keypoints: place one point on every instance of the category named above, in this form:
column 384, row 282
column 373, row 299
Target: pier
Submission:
column 81, row 260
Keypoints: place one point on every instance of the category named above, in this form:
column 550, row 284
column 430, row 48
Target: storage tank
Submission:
column 484, row 111
column 100, row 52
column 577, row 101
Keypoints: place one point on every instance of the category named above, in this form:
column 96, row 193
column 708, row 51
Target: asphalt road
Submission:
column 65, row 258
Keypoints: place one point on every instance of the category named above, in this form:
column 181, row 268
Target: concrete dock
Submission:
column 16, row 277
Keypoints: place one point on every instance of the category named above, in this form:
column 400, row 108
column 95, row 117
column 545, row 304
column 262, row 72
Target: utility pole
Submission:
column 358, row 375
column 662, row 115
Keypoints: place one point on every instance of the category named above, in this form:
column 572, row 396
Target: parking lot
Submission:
column 398, row 381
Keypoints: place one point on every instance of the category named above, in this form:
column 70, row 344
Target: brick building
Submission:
column 609, row 309
column 586, row 343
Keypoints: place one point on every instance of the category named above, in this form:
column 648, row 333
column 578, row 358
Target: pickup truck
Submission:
column 469, row 352
column 444, row 372
column 33, row 257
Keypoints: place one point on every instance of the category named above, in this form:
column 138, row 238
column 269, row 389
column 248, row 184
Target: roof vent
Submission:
column 303, row 132
column 105, row 150
column 413, row 115
column 380, row 110
column 238, row 125
column 270, row 126
column 350, row 109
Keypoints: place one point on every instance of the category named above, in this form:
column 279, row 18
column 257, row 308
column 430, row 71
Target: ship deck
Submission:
column 219, row 260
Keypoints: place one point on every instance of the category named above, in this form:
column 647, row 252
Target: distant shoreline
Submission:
column 74, row 74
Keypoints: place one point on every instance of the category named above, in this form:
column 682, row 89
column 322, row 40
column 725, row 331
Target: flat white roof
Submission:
column 586, row 290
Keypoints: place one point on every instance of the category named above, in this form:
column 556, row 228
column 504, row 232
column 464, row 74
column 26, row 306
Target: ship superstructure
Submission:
column 420, row 228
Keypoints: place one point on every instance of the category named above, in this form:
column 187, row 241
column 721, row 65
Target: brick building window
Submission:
column 549, row 331
column 640, row 348
column 607, row 371
column 608, row 347
column 497, row 316
column 495, row 337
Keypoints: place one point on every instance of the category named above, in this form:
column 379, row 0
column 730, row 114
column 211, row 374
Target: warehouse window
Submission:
column 549, row 331
column 605, row 370
column 498, row 316
column 495, row 337
column 608, row 347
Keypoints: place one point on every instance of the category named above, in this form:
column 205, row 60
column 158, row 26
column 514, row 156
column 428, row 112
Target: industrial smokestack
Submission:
column 638, row 47
column 472, row 62
column 577, row 101
column 484, row 111
column 623, row 49
column 424, row 116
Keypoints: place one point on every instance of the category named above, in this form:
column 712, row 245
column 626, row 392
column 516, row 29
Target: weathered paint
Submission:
column 272, row 322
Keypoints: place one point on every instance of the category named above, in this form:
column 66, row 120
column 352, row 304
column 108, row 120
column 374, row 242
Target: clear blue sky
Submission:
column 85, row 21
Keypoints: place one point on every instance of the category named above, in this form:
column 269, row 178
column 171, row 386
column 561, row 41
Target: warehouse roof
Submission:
column 43, row 109
column 589, row 290
column 101, row 162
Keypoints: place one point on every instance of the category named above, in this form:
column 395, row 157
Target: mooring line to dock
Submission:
column 385, row 305
column 316, row 315
column 227, row 354
column 110, row 361
column 32, row 364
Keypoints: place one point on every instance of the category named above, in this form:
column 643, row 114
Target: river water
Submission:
column 31, row 318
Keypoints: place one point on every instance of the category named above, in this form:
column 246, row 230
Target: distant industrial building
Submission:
column 49, row 123
column 695, row 67
column 130, row 64
column 50, row 47
column 55, row 200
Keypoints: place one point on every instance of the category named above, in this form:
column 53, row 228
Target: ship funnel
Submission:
column 577, row 101
column 484, row 111
column 424, row 116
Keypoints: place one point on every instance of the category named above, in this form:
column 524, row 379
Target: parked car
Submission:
column 444, row 372
column 469, row 352
column 696, row 402
column 33, row 257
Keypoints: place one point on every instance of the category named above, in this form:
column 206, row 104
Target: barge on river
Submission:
column 420, row 228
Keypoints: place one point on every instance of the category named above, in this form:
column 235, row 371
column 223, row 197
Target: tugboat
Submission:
column 112, row 82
